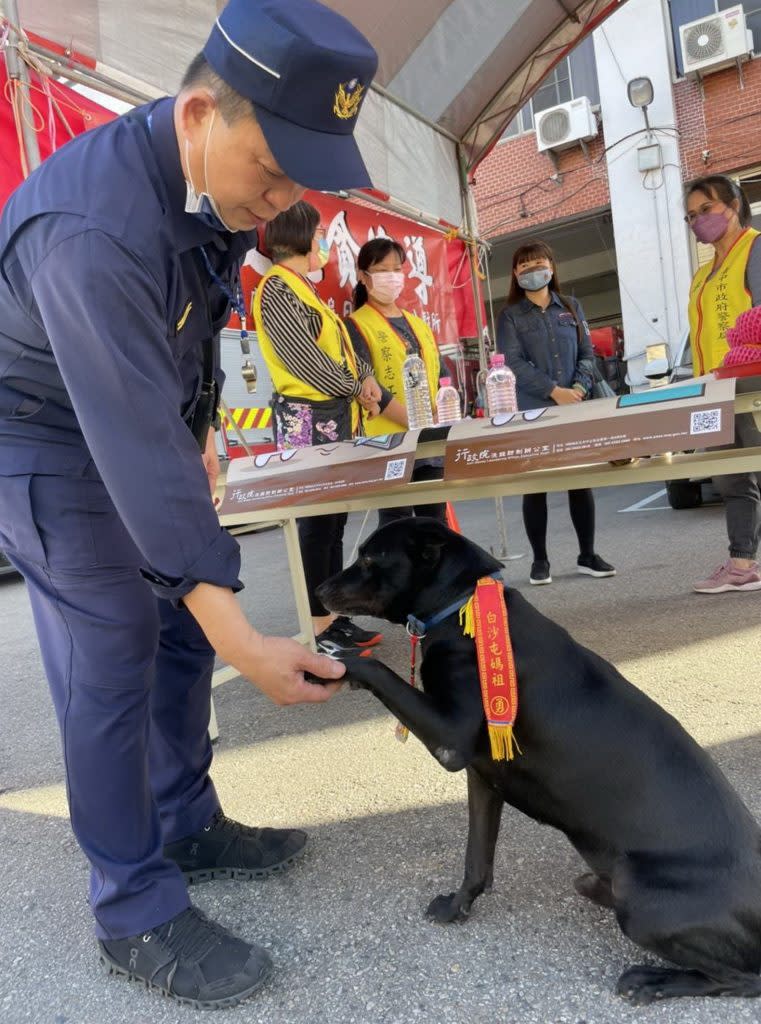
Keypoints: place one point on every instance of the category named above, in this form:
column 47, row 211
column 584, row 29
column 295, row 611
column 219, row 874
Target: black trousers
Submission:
column 321, row 539
column 581, row 505
column 437, row 511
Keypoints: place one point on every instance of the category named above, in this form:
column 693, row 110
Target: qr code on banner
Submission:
column 705, row 421
column 395, row 469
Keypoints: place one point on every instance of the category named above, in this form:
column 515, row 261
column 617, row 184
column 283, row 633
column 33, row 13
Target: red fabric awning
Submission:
column 51, row 128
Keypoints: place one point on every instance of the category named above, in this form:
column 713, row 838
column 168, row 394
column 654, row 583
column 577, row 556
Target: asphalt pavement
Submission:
column 345, row 927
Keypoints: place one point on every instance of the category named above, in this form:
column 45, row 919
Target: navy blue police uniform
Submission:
column 109, row 294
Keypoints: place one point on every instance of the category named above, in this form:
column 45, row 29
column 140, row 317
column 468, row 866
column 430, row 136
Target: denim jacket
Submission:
column 542, row 349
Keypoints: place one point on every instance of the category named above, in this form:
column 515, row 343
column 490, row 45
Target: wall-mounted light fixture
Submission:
column 640, row 92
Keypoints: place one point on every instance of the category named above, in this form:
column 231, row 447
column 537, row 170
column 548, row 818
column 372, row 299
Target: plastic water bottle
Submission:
column 417, row 395
column 447, row 402
column 500, row 387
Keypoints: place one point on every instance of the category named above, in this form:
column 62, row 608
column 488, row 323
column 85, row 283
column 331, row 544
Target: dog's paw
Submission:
column 643, row 985
column 361, row 670
column 446, row 909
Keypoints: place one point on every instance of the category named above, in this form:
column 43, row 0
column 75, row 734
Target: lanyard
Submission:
column 247, row 369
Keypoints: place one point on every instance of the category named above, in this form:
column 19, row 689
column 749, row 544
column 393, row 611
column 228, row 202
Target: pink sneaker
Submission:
column 729, row 577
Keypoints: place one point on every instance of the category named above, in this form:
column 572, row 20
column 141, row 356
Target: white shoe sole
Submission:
column 726, row 587
column 595, row 572
column 540, row 583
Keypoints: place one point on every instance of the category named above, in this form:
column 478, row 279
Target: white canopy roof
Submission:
column 452, row 73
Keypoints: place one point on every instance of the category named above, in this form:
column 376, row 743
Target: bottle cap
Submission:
column 445, row 382
column 497, row 359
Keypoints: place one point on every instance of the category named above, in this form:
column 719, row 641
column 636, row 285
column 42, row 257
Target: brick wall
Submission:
column 515, row 190
column 724, row 119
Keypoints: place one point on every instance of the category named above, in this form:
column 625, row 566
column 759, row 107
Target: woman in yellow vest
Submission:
column 384, row 334
column 719, row 214
column 318, row 386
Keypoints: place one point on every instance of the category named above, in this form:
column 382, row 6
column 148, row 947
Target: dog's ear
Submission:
column 430, row 537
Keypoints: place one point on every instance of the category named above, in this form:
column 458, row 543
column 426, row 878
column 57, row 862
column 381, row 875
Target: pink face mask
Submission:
column 386, row 285
column 710, row 227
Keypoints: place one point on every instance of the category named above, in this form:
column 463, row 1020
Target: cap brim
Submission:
column 318, row 160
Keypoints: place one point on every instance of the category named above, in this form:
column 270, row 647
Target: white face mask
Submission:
column 386, row 285
column 202, row 204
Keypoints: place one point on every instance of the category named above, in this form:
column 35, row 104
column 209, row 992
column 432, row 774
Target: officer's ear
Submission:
column 193, row 110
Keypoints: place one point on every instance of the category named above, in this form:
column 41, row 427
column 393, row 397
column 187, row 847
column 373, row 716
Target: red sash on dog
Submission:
column 484, row 617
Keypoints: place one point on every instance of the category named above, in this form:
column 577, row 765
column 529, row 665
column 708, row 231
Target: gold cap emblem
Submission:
column 347, row 99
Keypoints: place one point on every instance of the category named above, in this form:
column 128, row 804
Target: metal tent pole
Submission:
column 17, row 70
column 499, row 549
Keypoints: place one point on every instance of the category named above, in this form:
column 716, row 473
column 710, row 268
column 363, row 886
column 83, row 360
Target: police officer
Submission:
column 119, row 259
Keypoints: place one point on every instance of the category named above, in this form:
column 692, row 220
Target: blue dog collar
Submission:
column 419, row 627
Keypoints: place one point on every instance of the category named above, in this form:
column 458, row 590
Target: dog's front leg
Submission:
column 451, row 742
column 484, row 817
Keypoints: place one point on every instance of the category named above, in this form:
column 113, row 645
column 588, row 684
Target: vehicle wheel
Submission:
column 684, row 494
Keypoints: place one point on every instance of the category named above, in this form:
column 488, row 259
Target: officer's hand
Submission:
column 211, row 460
column 276, row 665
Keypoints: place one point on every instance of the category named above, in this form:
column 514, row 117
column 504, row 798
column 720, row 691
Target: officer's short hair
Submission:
column 232, row 106
column 291, row 233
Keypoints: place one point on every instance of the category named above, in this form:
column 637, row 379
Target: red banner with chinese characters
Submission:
column 437, row 288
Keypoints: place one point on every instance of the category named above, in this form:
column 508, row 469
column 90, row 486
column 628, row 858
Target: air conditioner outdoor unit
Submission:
column 565, row 125
column 715, row 42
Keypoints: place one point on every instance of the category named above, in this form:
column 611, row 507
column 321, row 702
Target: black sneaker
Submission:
column 335, row 641
column 227, row 849
column 593, row 565
column 540, row 574
column 359, row 637
column 191, row 959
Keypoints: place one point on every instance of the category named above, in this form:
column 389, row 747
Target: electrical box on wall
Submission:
column 716, row 42
column 565, row 125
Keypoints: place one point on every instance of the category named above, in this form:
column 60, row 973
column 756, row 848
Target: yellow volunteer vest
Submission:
column 387, row 354
column 716, row 302
column 333, row 340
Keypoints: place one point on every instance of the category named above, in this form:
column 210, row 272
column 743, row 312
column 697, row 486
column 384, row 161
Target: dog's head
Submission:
column 412, row 566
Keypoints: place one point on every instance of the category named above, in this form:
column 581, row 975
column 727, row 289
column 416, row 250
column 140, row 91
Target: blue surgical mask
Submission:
column 535, row 280
column 201, row 204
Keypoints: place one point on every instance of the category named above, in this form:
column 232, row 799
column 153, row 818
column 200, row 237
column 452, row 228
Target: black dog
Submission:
column 671, row 847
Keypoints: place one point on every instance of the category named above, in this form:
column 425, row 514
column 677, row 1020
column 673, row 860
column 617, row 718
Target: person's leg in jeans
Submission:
column 98, row 626
column 741, row 493
column 742, row 499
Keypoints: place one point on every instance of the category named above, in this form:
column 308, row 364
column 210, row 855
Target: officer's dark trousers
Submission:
column 130, row 677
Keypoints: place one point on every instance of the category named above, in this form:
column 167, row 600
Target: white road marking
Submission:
column 639, row 505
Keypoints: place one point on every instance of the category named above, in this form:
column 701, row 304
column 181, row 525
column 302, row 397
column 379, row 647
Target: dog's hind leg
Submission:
column 643, row 985
column 715, row 960
column 484, row 816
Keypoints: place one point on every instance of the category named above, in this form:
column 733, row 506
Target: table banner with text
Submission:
column 326, row 472
column 680, row 417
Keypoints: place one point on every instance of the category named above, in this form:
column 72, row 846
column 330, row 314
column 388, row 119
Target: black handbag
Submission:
column 600, row 387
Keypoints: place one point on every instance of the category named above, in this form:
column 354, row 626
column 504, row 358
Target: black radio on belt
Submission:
column 204, row 411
